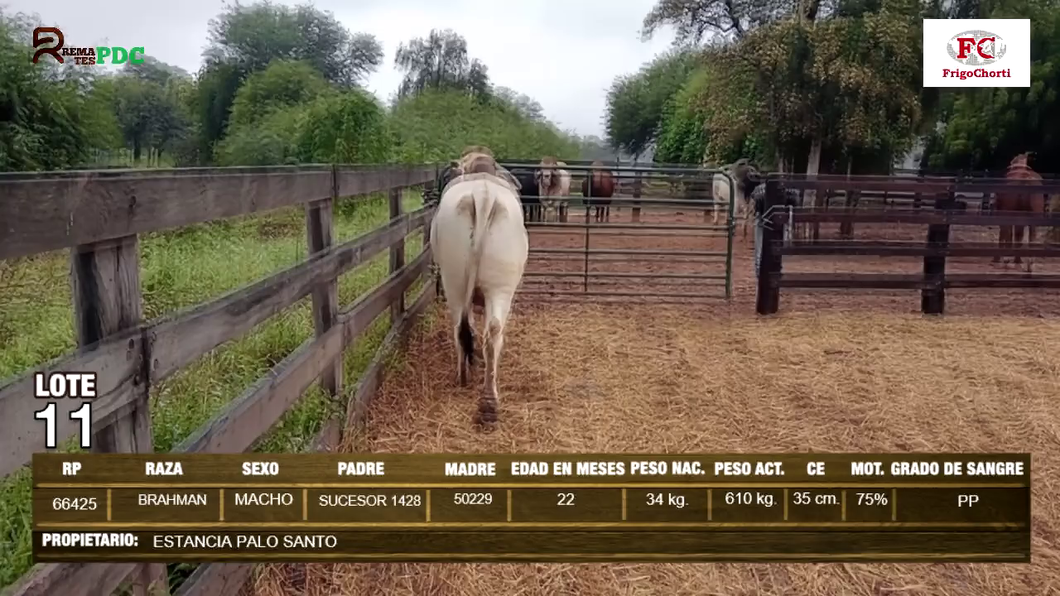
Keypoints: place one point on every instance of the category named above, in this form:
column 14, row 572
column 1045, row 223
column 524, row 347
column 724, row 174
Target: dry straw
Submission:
column 835, row 372
column 586, row 378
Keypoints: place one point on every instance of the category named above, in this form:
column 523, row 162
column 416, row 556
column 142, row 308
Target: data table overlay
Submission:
column 547, row 507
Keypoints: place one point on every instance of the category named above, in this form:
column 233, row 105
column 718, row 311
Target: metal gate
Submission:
column 656, row 238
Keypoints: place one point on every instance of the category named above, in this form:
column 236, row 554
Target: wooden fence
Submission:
column 934, row 281
column 98, row 215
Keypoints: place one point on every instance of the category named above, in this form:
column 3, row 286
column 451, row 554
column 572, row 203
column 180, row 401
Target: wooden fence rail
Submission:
column 99, row 215
column 937, row 246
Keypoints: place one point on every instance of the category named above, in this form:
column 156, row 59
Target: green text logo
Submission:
column 84, row 56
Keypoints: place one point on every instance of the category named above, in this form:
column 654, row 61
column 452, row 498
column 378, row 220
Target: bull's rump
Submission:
column 504, row 246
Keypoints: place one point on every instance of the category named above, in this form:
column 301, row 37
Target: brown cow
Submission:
column 599, row 185
column 1009, row 202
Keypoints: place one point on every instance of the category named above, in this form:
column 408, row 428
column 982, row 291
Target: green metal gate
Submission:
column 658, row 240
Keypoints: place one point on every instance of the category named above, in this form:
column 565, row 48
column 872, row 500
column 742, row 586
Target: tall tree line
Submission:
column 278, row 85
column 830, row 85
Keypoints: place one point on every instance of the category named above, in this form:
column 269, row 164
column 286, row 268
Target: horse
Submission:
column 599, row 186
column 1024, row 202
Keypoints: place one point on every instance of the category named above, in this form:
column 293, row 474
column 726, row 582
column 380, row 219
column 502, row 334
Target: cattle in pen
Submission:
column 599, row 186
column 745, row 178
column 553, row 182
column 528, row 193
column 480, row 246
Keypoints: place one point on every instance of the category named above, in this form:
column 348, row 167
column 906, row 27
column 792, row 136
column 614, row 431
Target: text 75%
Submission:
column 872, row 499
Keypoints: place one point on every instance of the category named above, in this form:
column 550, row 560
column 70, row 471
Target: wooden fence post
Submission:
column 320, row 227
column 397, row 256
column 637, row 186
column 107, row 301
column 768, row 297
column 933, row 300
column 429, row 189
column 853, row 199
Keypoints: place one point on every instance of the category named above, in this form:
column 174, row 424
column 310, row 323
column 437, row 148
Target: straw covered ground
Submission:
column 672, row 379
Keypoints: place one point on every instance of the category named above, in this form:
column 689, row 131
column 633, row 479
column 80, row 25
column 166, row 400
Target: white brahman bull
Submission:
column 552, row 182
column 746, row 178
column 480, row 246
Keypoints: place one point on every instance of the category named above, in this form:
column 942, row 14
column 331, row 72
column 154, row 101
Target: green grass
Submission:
column 181, row 268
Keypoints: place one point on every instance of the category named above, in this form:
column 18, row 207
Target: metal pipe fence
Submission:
column 668, row 243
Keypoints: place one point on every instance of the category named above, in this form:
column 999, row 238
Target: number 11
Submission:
column 84, row 414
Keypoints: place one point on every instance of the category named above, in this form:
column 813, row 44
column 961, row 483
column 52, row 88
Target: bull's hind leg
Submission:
column 464, row 338
column 490, row 400
column 461, row 359
column 497, row 311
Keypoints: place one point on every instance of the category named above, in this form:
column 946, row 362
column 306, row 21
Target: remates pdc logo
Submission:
column 976, row 48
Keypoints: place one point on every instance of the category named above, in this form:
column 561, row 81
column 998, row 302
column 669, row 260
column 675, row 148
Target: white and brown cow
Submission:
column 746, row 178
column 480, row 246
column 552, row 182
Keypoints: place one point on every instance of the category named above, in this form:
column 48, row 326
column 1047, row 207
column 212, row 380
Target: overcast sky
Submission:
column 563, row 54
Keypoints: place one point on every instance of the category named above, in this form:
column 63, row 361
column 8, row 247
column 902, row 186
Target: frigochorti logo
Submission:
column 81, row 55
column 976, row 48
column 976, row 53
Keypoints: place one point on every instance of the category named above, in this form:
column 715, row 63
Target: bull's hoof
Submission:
column 486, row 417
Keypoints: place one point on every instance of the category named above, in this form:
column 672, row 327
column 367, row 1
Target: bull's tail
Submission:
column 482, row 212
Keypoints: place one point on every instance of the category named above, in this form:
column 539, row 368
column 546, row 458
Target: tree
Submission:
column 524, row 104
column 246, row 39
column 149, row 103
column 635, row 103
column 50, row 117
column 253, row 36
column 440, row 61
column 154, row 70
column 282, row 84
column 683, row 134
column 434, row 126
column 344, row 128
column 982, row 129
column 269, row 112
column 216, row 89
column 825, row 88
column 692, row 20
column 271, row 140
